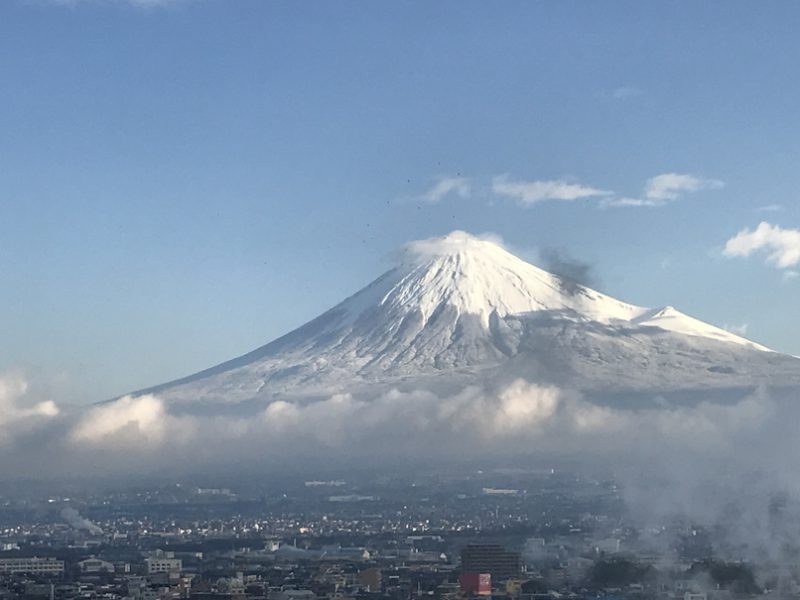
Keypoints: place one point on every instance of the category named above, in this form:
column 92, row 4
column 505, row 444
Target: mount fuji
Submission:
column 460, row 310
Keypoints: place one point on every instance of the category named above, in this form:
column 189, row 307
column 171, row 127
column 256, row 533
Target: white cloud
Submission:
column 663, row 189
column 434, row 421
column 447, row 186
column 621, row 93
column 770, row 208
column 671, row 186
column 18, row 412
column 527, row 193
column 14, row 404
column 519, row 417
column 790, row 276
column 782, row 246
column 625, row 92
column 134, row 3
column 658, row 190
column 420, row 251
column 143, row 416
column 152, row 3
column 685, row 445
column 625, row 202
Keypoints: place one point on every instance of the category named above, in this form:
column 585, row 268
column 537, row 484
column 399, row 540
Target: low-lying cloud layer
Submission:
column 518, row 417
column 704, row 459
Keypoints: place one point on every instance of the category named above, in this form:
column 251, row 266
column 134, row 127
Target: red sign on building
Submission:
column 475, row 584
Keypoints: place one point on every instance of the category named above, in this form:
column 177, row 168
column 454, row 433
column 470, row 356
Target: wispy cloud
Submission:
column 621, row 93
column 152, row 3
column 445, row 186
column 770, row 208
column 625, row 202
column 134, row 3
column 527, row 193
column 663, row 189
column 658, row 191
column 671, row 186
column 782, row 246
column 625, row 92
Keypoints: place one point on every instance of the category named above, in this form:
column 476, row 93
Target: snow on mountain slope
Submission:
column 477, row 277
column 460, row 308
column 672, row 319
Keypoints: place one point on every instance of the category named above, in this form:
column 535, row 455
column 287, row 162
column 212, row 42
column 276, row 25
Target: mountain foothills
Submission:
column 461, row 310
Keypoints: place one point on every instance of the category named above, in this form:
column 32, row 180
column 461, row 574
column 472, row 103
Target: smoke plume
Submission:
column 573, row 273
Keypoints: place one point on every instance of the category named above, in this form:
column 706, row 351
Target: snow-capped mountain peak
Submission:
column 458, row 307
column 477, row 276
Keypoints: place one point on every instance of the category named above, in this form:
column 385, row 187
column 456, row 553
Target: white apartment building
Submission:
column 32, row 566
column 163, row 564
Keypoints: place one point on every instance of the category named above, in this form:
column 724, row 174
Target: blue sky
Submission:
column 184, row 180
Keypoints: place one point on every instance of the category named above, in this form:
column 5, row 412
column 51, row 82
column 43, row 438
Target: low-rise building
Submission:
column 32, row 566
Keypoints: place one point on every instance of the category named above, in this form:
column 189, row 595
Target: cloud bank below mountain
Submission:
column 516, row 419
column 706, row 460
